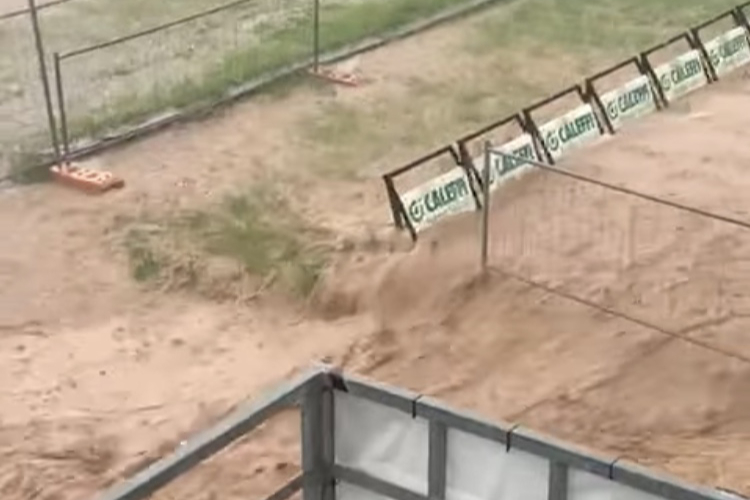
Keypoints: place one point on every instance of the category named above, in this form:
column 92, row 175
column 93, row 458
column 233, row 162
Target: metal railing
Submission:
column 344, row 417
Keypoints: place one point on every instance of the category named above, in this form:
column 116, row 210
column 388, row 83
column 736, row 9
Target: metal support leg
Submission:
column 317, row 443
column 437, row 461
column 558, row 481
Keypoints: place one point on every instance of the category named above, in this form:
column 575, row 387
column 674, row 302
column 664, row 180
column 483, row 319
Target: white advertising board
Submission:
column 502, row 167
column 629, row 101
column 681, row 75
column 729, row 51
column 571, row 130
column 447, row 194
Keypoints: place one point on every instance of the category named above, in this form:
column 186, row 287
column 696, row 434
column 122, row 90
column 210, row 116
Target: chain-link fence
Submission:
column 195, row 60
column 23, row 121
column 118, row 69
column 666, row 265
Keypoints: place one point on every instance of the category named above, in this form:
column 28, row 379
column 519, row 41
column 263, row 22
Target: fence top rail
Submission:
column 613, row 68
column 612, row 468
column 209, row 442
column 499, row 123
column 573, row 89
column 22, row 12
column 150, row 31
column 413, row 164
column 674, row 39
column 715, row 19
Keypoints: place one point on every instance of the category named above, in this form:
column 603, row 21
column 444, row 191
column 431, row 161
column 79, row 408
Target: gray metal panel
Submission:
column 211, row 441
column 562, row 455
column 432, row 409
column 643, row 479
column 529, row 441
column 438, row 460
column 380, row 393
column 368, row 482
column 558, row 481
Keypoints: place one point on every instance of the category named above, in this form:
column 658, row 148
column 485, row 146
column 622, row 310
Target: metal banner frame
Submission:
column 466, row 159
column 737, row 15
column 592, row 93
column 398, row 211
column 532, row 126
column 316, row 394
column 646, row 61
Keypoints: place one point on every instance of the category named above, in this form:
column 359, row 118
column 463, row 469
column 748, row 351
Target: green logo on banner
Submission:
column 510, row 164
column 503, row 165
column 629, row 100
column 680, row 73
column 438, row 199
column 728, row 49
column 570, row 130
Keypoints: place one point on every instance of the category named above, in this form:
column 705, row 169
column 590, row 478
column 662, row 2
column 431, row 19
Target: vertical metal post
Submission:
column 393, row 201
column 741, row 17
column 316, row 35
column 485, row 207
column 437, row 464
column 61, row 109
column 558, row 481
column 317, row 442
column 43, row 75
column 328, row 451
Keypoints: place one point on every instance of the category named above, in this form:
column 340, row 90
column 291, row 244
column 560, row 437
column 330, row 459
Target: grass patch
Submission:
column 255, row 229
column 277, row 45
column 30, row 164
column 259, row 230
column 146, row 264
column 619, row 28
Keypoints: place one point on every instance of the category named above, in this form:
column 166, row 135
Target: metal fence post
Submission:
column 316, row 35
column 33, row 14
column 558, row 481
column 437, row 462
column 485, row 207
column 317, row 442
column 61, row 108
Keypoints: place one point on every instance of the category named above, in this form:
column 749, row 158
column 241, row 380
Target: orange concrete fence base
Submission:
column 85, row 179
column 339, row 77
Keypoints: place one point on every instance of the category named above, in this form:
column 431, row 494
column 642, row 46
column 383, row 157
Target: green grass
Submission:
column 618, row 28
column 255, row 228
column 29, row 162
column 277, row 46
column 146, row 263
column 261, row 232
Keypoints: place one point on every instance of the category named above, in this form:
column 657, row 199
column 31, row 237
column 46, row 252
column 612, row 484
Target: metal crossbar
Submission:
column 213, row 440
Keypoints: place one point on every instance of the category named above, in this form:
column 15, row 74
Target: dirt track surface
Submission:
column 102, row 377
column 668, row 385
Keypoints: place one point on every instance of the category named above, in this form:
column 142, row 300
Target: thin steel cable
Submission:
column 612, row 312
column 627, row 191
column 621, row 315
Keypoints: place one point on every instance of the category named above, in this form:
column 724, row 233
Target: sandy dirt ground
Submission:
column 100, row 376
column 671, row 393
